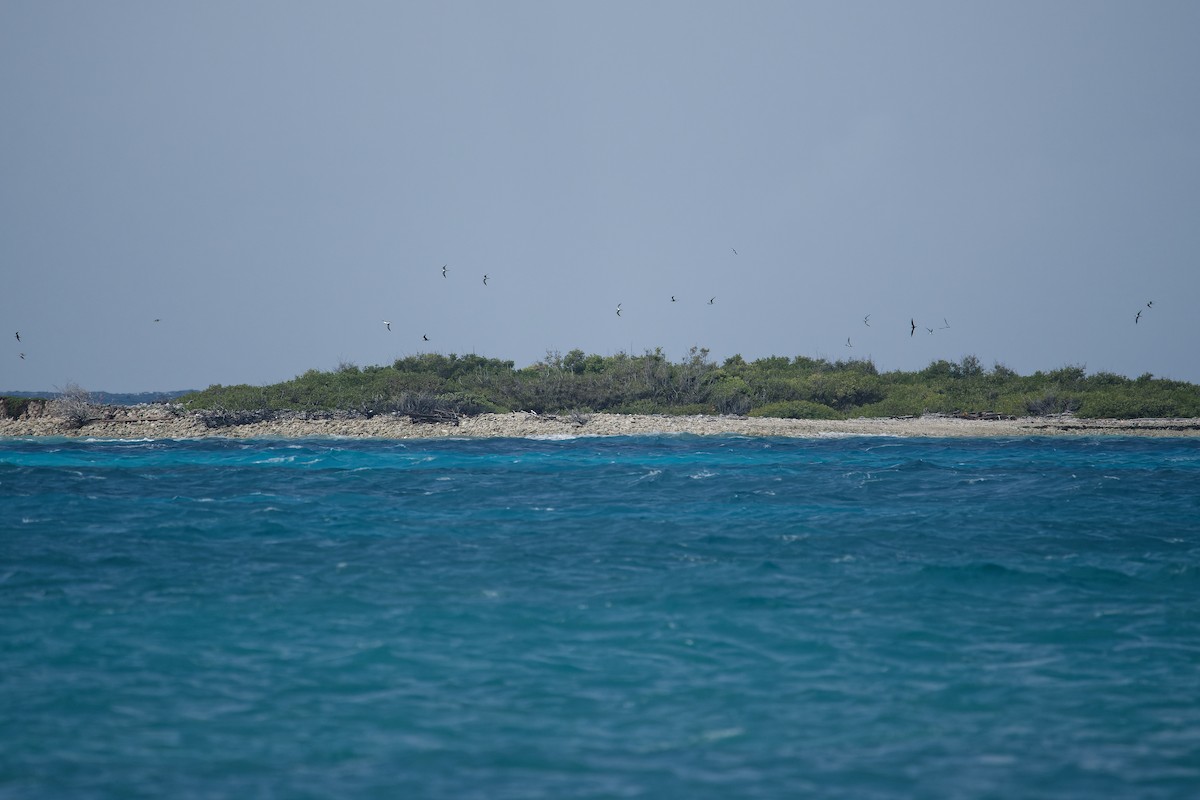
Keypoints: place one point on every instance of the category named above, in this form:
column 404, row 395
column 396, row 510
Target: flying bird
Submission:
column 444, row 270
column 712, row 300
column 672, row 298
column 848, row 342
column 485, row 280
column 930, row 331
column 734, row 251
column 866, row 320
column 424, row 337
column 22, row 356
column 389, row 325
column 18, row 336
column 1150, row 304
column 618, row 309
column 912, row 322
column 1137, row 317
column 946, row 326
column 156, row 319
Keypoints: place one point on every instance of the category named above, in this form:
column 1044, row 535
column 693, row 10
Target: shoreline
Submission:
column 158, row 423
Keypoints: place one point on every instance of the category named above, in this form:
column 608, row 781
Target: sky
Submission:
column 224, row 192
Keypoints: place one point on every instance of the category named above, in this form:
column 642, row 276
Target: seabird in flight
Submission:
column 444, row 270
column 672, row 298
column 618, row 309
column 485, row 280
column 18, row 336
column 712, row 300
column 424, row 337
column 389, row 325
column 734, row 251
column 848, row 342
column 930, row 331
column 1150, row 304
column 22, row 356
column 912, row 322
column 866, row 320
column 1137, row 317
column 947, row 325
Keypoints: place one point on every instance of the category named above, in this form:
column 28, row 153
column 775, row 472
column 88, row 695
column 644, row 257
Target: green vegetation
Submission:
column 14, row 407
column 778, row 386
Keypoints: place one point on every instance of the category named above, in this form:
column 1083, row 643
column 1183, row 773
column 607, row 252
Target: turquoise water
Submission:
column 649, row 617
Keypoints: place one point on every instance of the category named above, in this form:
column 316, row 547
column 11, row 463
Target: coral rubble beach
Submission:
column 172, row 422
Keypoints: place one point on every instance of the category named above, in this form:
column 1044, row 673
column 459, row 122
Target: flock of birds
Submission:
column 711, row 301
column 1138, row 315
column 445, row 272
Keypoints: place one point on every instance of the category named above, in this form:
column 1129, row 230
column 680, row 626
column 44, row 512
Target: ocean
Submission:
column 625, row 617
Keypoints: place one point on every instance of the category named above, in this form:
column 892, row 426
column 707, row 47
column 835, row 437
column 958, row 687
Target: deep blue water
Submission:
column 658, row 617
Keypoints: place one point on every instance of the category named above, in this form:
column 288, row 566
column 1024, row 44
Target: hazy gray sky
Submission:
column 272, row 180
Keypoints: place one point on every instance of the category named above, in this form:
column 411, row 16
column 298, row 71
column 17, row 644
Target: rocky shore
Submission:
column 172, row 422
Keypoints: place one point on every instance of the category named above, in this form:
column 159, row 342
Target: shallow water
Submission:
column 667, row 616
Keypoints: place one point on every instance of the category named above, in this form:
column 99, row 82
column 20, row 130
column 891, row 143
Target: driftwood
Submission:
column 980, row 415
column 576, row 418
column 437, row 416
column 224, row 418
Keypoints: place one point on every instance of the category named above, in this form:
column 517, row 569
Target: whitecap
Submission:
column 847, row 435
column 651, row 475
column 721, row 733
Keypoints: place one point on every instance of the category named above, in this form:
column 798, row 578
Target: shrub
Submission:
column 468, row 403
column 73, row 405
column 1051, row 403
column 843, row 390
column 730, row 396
column 13, row 407
column 969, row 367
column 797, row 409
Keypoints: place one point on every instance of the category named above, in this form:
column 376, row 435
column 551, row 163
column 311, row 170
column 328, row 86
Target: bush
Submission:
column 1052, row 403
column 13, row 407
column 468, row 403
column 73, row 406
column 843, row 390
column 797, row 409
column 730, row 396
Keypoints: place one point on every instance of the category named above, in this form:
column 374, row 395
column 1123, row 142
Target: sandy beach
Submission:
column 164, row 422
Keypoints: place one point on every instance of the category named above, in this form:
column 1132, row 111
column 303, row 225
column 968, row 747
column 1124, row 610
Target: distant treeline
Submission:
column 778, row 386
column 108, row 398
